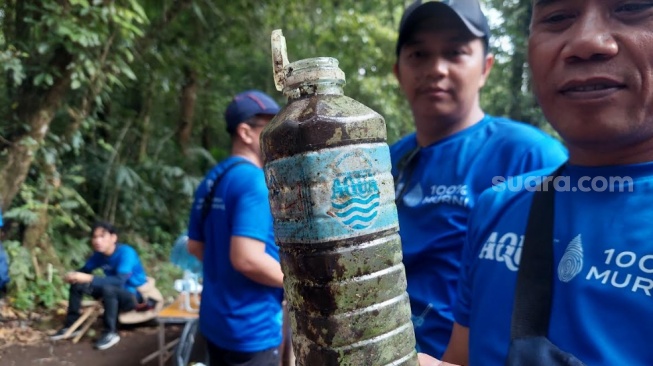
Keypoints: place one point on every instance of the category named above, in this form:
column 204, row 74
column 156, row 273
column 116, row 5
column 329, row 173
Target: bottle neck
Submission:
column 330, row 87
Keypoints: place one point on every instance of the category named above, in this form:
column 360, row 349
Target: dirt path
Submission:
column 134, row 345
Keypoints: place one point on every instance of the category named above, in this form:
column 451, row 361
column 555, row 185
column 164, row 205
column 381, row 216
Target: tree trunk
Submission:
column 36, row 109
column 144, row 118
column 35, row 237
column 187, row 102
column 518, row 78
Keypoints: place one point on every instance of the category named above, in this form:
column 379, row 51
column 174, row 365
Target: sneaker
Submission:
column 107, row 340
column 61, row 332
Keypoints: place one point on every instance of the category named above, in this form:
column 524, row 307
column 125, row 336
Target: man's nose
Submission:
column 591, row 38
column 438, row 67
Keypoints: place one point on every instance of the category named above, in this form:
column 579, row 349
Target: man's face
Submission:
column 440, row 69
column 258, row 123
column 592, row 65
column 103, row 241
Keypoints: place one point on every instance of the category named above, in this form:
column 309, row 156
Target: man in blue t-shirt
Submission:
column 592, row 75
column 240, row 313
column 456, row 151
column 123, row 274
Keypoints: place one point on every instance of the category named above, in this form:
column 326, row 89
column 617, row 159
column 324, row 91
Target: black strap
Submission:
column 404, row 168
column 208, row 199
column 532, row 307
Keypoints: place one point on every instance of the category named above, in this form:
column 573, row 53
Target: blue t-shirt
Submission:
column 236, row 313
column 124, row 261
column 436, row 199
column 602, row 309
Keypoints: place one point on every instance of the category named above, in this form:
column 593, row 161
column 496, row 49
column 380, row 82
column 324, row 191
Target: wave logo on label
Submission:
column 355, row 195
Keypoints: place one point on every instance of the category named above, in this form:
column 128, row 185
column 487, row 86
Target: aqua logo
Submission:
column 355, row 195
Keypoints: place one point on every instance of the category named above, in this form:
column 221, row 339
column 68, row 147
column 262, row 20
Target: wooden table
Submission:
column 173, row 314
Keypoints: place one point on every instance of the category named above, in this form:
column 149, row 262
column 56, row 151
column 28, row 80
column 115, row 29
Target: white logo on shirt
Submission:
column 626, row 270
column 414, row 196
column 506, row 249
column 572, row 261
column 455, row 195
column 621, row 269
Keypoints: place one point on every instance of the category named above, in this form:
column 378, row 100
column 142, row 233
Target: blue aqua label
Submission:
column 332, row 194
column 355, row 195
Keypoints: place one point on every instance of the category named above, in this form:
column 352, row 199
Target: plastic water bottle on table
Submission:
column 192, row 267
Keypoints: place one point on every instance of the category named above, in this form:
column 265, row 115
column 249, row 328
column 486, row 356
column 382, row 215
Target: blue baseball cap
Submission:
column 248, row 104
column 468, row 11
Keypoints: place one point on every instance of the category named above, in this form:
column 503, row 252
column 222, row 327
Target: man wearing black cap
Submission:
column 240, row 312
column 456, row 152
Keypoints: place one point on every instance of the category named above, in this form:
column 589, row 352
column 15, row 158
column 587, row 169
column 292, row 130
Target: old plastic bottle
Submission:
column 327, row 166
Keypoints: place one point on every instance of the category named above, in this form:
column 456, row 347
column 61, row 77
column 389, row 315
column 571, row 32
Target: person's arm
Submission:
column 248, row 257
column 83, row 275
column 118, row 280
column 426, row 360
column 196, row 248
column 127, row 260
column 252, row 228
column 93, row 262
column 195, row 244
column 457, row 351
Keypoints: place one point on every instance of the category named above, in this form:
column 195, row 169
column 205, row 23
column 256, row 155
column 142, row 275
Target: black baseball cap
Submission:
column 468, row 11
column 248, row 104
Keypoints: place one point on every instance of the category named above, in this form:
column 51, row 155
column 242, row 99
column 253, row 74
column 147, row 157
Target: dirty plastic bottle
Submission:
column 327, row 166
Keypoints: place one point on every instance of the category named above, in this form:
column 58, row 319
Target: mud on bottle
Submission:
column 327, row 166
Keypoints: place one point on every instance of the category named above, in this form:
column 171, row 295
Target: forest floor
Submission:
column 24, row 342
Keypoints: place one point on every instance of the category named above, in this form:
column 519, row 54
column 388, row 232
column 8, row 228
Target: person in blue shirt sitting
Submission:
column 118, row 288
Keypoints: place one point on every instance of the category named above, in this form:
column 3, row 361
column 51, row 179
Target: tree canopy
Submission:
column 114, row 109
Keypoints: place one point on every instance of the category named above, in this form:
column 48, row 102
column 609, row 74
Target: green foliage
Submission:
column 508, row 90
column 27, row 291
column 10, row 59
column 20, row 269
column 113, row 148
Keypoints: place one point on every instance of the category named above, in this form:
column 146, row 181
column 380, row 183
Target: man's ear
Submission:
column 395, row 70
column 244, row 132
column 488, row 63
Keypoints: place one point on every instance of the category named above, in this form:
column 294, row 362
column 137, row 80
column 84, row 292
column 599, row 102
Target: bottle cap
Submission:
column 290, row 76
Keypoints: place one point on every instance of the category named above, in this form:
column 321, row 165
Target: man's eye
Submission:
column 556, row 18
column 635, row 7
column 417, row 54
column 455, row 52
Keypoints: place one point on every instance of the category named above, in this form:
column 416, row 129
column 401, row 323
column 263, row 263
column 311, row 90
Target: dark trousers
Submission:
column 114, row 299
column 222, row 357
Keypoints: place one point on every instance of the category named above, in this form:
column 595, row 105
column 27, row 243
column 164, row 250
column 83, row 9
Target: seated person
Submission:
column 118, row 289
